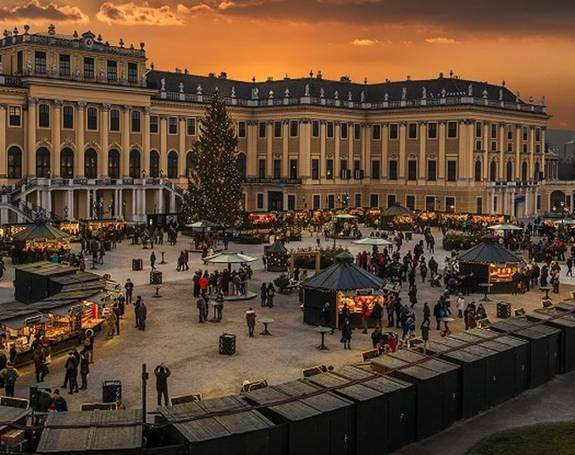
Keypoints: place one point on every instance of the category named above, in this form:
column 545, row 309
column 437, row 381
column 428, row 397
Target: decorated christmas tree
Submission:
column 214, row 187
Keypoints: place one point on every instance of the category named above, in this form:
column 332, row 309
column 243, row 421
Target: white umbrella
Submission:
column 373, row 241
column 505, row 227
column 345, row 216
column 229, row 258
column 565, row 221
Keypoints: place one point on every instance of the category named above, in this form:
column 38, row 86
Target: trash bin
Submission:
column 111, row 391
column 227, row 344
column 137, row 265
column 155, row 277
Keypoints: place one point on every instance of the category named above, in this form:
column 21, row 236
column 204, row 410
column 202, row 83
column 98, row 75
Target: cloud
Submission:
column 142, row 14
column 34, row 11
column 505, row 17
column 440, row 40
column 363, row 42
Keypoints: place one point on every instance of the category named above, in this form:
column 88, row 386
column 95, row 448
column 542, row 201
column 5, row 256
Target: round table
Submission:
column 546, row 289
column 265, row 322
column 486, row 287
column 323, row 330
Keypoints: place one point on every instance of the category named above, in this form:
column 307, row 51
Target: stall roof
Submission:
column 358, row 392
column 324, row 401
column 92, row 431
column 45, row 268
column 387, row 363
column 9, row 415
column 382, row 384
column 344, row 275
column 213, row 427
column 293, row 411
column 41, row 231
column 396, row 210
column 77, row 278
column 488, row 252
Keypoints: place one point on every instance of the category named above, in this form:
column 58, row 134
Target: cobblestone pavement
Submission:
column 174, row 336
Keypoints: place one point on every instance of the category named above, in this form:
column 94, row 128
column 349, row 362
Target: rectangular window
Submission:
column 478, row 145
column 509, row 133
column 291, row 202
column 112, row 70
column 330, row 201
column 451, row 171
column 432, row 170
column 40, row 62
column 277, row 169
column 262, row 169
column 64, row 64
column 241, row 129
column 294, row 128
column 260, row 200
column 392, row 170
column 412, row 129
column 329, row 129
column 537, row 134
column 316, row 201
column 524, row 148
column 430, row 203
column 374, row 200
column 293, row 169
column 15, row 116
column 478, row 129
column 375, row 170
column 344, row 131
column 43, row 116
column 329, row 169
column 154, row 124
column 115, row 120
column 479, row 205
column 357, row 131
column 376, row 132
column 432, row 130
column 451, row 130
column 88, row 68
column 509, row 147
column 393, row 131
column 357, row 199
column 525, row 133
column 493, row 146
column 20, row 62
column 136, row 126
column 410, row 202
column 343, row 173
column 494, row 131
column 391, row 200
column 92, row 119
column 262, row 129
column 277, row 129
column 315, row 169
column 315, row 128
column 68, row 117
column 132, row 73
column 411, row 170
column 450, row 204
column 173, row 125
column 191, row 126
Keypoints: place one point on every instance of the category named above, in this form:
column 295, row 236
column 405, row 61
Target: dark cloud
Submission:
column 504, row 16
column 34, row 10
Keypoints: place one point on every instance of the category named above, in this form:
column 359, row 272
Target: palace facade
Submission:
column 87, row 130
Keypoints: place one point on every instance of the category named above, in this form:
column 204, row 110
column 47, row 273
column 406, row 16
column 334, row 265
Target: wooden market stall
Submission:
column 340, row 284
column 40, row 239
column 490, row 263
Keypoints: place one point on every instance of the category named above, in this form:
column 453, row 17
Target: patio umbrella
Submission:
column 372, row 241
column 345, row 216
column 565, row 221
column 229, row 258
column 505, row 227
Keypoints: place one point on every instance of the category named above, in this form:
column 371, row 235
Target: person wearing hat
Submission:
column 10, row 375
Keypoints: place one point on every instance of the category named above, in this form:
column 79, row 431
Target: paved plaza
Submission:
column 173, row 334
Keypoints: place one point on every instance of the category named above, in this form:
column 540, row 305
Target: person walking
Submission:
column 569, row 264
column 129, row 287
column 117, row 313
column 271, row 294
column 251, row 321
column 162, row 373
column 425, row 333
column 9, row 376
column 346, row 334
column 438, row 314
column 153, row 260
column 84, row 369
column 460, row 305
column 426, row 313
column 264, row 294
column 137, row 304
column 71, row 377
column 219, row 306
column 143, row 314
column 202, row 306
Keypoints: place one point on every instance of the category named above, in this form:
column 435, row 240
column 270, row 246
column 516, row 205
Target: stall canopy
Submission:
column 488, row 252
column 396, row 210
column 344, row 275
column 505, row 227
column 229, row 258
column 202, row 224
column 276, row 248
column 41, row 232
column 372, row 241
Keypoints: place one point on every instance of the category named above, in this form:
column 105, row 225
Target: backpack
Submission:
column 11, row 376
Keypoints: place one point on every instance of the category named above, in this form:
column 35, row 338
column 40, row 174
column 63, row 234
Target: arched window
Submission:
column 537, row 171
column 135, row 164
column 14, row 163
column 91, row 164
column 189, row 163
column 242, row 165
column 478, row 171
column 67, row 163
column 509, row 171
column 173, row 165
column 493, row 171
column 42, row 162
column 154, row 164
column 524, row 171
column 114, row 164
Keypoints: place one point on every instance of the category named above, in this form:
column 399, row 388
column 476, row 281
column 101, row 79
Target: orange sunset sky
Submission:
column 528, row 43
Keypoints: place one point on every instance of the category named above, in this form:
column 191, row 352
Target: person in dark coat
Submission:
column 71, row 378
column 129, row 287
column 264, row 294
column 58, row 402
column 137, row 304
column 143, row 312
column 84, row 368
column 251, row 321
column 346, row 334
column 162, row 373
